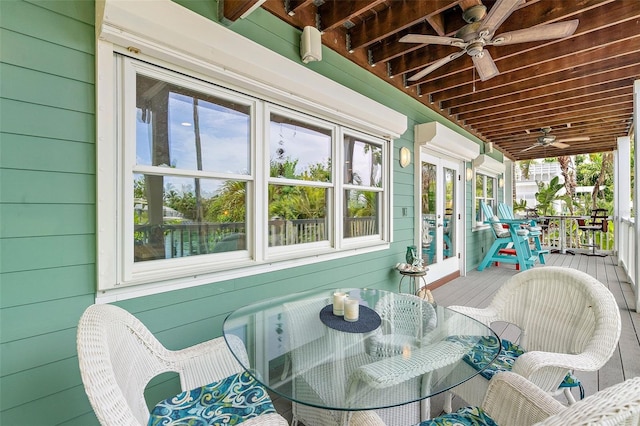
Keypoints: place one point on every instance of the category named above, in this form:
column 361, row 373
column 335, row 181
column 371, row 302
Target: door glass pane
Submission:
column 428, row 194
column 448, row 240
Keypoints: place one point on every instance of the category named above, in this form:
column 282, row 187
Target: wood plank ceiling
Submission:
column 579, row 86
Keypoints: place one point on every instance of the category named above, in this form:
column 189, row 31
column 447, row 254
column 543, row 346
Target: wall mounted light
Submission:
column 501, row 182
column 405, row 156
column 469, row 175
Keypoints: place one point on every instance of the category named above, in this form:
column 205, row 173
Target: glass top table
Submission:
column 402, row 349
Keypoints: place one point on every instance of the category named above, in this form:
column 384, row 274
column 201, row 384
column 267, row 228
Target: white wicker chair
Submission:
column 310, row 370
column 568, row 321
column 118, row 356
column 512, row 400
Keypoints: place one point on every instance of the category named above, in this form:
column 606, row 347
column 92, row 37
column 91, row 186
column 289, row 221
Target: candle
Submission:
column 351, row 310
column 338, row 303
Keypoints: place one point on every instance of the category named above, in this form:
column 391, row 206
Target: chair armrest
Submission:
column 209, row 361
column 266, row 420
column 531, row 362
column 513, row 400
column 484, row 315
column 548, row 369
column 615, row 405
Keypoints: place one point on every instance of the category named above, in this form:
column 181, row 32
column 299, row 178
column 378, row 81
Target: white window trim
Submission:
column 118, row 27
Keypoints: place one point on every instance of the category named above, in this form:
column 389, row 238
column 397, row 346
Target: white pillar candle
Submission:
column 351, row 310
column 338, row 303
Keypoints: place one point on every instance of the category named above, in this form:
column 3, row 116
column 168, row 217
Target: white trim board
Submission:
column 167, row 31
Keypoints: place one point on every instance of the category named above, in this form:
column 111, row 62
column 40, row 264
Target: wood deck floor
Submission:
column 477, row 289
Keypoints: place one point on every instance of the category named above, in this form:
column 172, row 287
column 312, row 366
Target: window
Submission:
column 485, row 191
column 213, row 182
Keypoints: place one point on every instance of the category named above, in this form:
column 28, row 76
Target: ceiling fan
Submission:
column 479, row 32
column 547, row 139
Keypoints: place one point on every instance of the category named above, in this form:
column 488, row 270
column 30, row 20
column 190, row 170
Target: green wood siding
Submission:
column 47, row 210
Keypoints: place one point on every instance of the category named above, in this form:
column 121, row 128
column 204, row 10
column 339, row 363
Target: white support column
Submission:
column 622, row 184
column 636, row 192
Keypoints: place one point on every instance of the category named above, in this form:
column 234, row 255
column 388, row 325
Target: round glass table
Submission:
column 401, row 349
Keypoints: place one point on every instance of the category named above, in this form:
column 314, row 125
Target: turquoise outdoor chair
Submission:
column 535, row 231
column 507, row 236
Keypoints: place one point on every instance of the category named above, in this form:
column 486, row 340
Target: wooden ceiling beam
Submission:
column 516, row 101
column 334, row 13
column 531, row 80
column 624, row 77
column 233, row 9
column 617, row 110
column 534, row 107
column 399, row 16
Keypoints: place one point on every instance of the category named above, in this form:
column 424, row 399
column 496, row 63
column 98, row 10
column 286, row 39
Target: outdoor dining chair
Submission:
column 306, row 334
column 599, row 222
column 118, row 357
column 568, row 321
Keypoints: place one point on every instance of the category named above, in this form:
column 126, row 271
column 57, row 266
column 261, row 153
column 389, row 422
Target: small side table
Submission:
column 414, row 280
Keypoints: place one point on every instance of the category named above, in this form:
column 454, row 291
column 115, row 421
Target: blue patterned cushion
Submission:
column 467, row 416
column 504, row 362
column 228, row 402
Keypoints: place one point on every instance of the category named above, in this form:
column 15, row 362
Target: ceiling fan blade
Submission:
column 486, row 67
column 429, row 39
column 559, row 145
column 542, row 32
column 496, row 16
column 575, row 139
column 531, row 147
column 434, row 66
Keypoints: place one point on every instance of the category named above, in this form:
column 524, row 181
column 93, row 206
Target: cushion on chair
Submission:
column 497, row 227
column 229, row 401
column 504, row 362
column 467, row 416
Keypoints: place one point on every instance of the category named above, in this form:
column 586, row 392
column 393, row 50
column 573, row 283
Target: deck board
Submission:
column 477, row 289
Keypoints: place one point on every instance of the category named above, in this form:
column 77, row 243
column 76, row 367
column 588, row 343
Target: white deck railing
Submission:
column 626, row 250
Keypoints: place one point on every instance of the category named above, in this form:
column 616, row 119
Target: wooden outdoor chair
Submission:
column 506, row 238
column 535, row 231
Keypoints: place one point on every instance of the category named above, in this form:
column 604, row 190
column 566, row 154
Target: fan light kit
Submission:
column 479, row 32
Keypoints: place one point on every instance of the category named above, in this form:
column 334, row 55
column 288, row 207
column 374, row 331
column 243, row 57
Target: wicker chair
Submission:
column 568, row 321
column 118, row 356
column 310, row 370
column 512, row 400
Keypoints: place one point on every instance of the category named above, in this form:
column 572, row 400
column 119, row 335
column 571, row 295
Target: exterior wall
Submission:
column 47, row 208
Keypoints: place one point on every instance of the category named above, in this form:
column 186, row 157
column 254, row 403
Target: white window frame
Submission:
column 485, row 178
column 133, row 279
column 487, row 166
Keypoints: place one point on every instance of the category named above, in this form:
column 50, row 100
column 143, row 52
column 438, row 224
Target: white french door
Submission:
column 440, row 215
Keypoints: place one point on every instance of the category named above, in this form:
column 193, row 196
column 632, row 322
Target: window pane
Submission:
column 184, row 129
column 177, row 217
column 479, row 185
column 363, row 162
column 362, row 214
column 297, row 215
column 299, row 150
column 490, row 185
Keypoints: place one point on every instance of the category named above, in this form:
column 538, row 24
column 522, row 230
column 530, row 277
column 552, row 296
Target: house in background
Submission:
column 79, row 82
